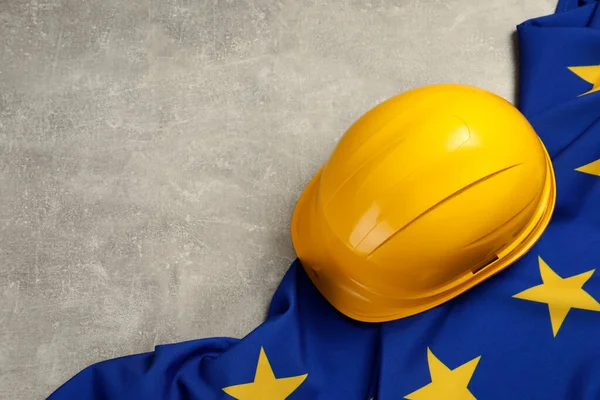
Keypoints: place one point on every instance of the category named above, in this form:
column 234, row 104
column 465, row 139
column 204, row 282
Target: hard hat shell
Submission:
column 426, row 195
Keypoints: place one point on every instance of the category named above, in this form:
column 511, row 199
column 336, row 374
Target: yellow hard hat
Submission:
column 426, row 195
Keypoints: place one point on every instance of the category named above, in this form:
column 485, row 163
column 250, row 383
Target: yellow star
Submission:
column 589, row 74
column 561, row 294
column 445, row 383
column 591, row 168
column 265, row 385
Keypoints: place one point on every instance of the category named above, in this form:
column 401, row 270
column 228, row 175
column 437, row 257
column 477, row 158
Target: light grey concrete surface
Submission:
column 151, row 152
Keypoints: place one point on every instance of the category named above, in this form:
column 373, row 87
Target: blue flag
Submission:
column 530, row 332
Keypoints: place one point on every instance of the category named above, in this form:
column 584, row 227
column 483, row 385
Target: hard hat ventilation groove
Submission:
column 484, row 264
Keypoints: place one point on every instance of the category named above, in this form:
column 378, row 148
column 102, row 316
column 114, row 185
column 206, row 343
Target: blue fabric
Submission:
column 497, row 340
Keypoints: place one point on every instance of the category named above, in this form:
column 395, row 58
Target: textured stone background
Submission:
column 151, row 152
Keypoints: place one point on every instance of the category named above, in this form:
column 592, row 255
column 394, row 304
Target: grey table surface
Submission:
column 151, row 153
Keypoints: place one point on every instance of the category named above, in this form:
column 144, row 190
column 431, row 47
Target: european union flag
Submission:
column 530, row 332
